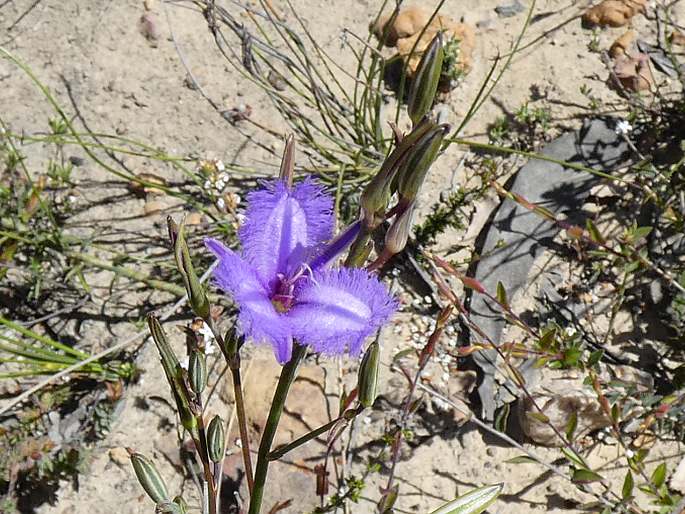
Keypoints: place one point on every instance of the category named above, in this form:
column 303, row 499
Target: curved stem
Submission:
column 288, row 375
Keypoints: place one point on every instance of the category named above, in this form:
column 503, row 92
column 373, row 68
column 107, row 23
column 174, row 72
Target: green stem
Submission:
column 538, row 156
column 126, row 272
column 288, row 375
column 282, row 450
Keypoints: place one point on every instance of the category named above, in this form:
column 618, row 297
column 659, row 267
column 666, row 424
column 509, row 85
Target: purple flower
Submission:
column 282, row 283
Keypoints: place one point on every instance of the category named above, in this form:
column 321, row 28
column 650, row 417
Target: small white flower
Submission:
column 184, row 362
column 623, row 128
column 441, row 405
column 570, row 331
column 207, row 184
column 240, row 217
column 221, row 204
column 238, row 443
column 219, row 165
column 208, row 337
column 630, row 453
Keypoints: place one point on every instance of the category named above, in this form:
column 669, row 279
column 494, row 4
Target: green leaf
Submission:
column 403, row 353
column 573, row 457
column 641, row 232
column 594, row 358
column 547, row 339
column 473, row 502
column 659, row 475
column 571, row 425
column 537, row 416
column 615, row 413
column 585, row 475
column 595, row 235
column 502, row 294
column 521, row 459
column 628, row 485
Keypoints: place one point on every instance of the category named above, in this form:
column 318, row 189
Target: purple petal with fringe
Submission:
column 257, row 319
column 283, row 225
column 338, row 309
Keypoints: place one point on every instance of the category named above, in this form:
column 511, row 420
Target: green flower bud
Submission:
column 215, row 439
column 367, row 382
column 174, row 375
column 172, row 227
column 197, row 295
column 397, row 235
column 423, row 154
column 197, row 372
column 231, row 346
column 425, row 83
column 473, row 502
column 149, row 478
column 387, row 501
column 376, row 195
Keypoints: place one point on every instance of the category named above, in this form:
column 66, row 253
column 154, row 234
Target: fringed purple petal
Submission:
column 281, row 224
column 257, row 318
column 338, row 309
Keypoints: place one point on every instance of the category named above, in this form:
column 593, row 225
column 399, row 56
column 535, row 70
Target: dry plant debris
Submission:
column 677, row 38
column 613, row 13
column 622, row 44
column 633, row 72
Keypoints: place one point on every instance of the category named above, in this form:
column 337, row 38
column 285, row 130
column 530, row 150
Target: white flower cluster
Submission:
column 623, row 128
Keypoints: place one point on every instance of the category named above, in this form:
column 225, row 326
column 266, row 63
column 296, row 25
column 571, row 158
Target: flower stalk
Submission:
column 285, row 381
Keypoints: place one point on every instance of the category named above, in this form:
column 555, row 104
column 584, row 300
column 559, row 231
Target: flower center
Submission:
column 284, row 297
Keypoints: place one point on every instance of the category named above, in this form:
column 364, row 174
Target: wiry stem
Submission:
column 288, row 375
column 233, row 360
column 242, row 425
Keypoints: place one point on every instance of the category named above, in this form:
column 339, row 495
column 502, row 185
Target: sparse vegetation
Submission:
column 85, row 257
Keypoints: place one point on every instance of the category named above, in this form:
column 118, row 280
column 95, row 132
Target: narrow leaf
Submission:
column 571, row 425
column 502, row 294
column 585, row 475
column 659, row 475
column 521, row 459
column 628, row 485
